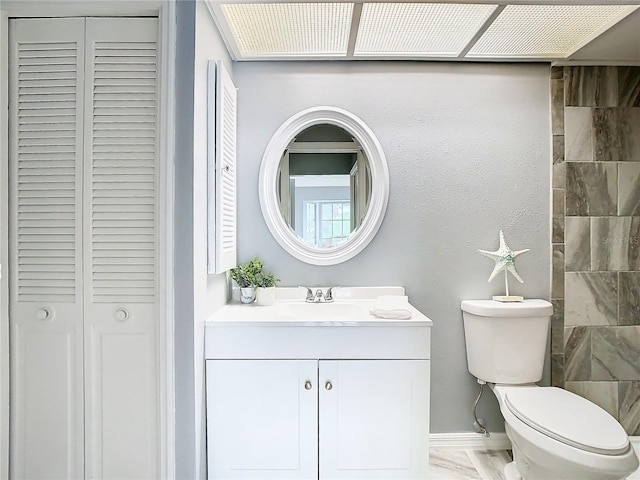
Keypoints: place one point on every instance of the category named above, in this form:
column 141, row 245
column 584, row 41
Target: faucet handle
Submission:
column 309, row 294
column 329, row 296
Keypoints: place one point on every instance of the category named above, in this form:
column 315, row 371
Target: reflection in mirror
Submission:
column 323, row 185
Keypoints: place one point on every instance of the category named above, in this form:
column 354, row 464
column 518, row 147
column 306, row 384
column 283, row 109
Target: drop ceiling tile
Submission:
column 418, row 29
column 289, row 29
column 545, row 31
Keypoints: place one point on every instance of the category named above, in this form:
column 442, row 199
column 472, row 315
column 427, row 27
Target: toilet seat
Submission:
column 568, row 418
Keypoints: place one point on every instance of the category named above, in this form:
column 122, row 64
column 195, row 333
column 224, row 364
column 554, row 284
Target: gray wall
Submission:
column 468, row 148
column 197, row 294
column 210, row 291
column 183, row 243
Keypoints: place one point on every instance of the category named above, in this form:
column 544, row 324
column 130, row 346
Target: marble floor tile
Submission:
column 448, row 464
column 490, row 463
column 451, row 465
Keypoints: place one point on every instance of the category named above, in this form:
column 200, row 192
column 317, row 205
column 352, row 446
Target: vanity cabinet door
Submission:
column 374, row 419
column 262, row 419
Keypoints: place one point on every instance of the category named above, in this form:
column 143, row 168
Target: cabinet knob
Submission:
column 308, row 385
column 44, row 314
column 328, row 385
column 122, row 314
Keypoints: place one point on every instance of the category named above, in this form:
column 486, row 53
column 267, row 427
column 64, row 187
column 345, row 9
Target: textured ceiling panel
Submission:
column 427, row 29
column 290, row 29
column 552, row 31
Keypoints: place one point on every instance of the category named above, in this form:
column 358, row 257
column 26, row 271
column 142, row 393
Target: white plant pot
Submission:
column 265, row 295
column 247, row 294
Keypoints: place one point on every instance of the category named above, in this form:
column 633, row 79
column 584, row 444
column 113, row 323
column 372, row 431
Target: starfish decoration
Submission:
column 504, row 259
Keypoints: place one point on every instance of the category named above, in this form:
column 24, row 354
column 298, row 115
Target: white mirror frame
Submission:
column 269, row 203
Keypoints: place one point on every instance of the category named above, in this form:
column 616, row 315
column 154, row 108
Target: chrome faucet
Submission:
column 319, row 296
column 329, row 296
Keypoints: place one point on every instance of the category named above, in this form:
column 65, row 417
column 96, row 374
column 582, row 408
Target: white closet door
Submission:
column 45, row 248
column 120, row 268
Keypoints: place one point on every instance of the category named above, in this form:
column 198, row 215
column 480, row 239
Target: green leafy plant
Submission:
column 252, row 274
column 266, row 279
column 245, row 275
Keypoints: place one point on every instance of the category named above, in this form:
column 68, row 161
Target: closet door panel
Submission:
column 45, row 156
column 120, row 267
column 122, row 437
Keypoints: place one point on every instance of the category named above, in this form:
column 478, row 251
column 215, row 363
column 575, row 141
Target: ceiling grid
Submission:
column 388, row 30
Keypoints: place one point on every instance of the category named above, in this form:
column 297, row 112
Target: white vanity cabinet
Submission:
column 268, row 419
column 322, row 399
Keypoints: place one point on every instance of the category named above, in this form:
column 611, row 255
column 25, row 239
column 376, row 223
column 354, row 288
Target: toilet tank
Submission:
column 506, row 342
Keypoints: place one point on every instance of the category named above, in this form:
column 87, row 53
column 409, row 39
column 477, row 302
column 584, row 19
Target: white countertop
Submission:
column 351, row 307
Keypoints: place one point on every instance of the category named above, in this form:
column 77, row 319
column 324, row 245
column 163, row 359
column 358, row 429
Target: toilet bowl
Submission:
column 557, row 435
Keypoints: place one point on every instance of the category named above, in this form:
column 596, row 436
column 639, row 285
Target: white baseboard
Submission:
column 469, row 441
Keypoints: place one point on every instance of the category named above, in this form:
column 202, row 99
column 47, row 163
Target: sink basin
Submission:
column 322, row 311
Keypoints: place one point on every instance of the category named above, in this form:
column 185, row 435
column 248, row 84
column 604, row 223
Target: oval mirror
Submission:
column 324, row 185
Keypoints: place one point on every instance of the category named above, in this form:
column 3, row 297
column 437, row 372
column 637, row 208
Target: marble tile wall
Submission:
column 595, row 331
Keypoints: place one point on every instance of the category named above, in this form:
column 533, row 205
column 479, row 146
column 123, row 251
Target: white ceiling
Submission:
column 559, row 31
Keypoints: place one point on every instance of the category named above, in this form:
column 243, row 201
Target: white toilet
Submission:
column 555, row 434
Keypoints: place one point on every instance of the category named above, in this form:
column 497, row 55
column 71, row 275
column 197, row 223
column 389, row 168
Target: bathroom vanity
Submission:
column 317, row 390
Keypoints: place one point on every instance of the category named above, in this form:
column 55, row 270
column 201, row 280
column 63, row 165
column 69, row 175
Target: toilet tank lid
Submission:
column 530, row 307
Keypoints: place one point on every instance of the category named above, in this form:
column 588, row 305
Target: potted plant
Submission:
column 255, row 282
column 266, row 288
column 245, row 277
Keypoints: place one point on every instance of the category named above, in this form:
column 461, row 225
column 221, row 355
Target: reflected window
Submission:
column 326, row 223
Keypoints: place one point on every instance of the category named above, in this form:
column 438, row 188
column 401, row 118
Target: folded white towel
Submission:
column 394, row 313
column 392, row 306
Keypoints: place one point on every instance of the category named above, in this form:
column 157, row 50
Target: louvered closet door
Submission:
column 45, row 248
column 120, row 269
